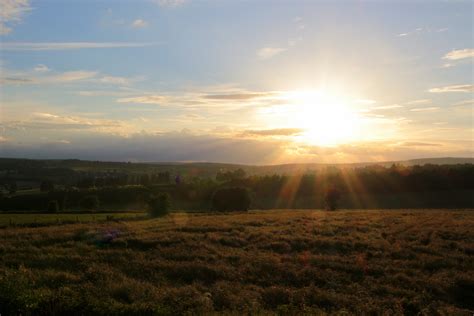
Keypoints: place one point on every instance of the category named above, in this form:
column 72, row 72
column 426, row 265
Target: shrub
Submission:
column 53, row 206
column 231, row 199
column 159, row 205
column 332, row 198
column 90, row 202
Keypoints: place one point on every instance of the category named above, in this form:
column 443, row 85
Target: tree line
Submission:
column 433, row 186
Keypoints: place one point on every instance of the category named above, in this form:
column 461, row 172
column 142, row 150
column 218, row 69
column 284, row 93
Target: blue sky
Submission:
column 236, row 81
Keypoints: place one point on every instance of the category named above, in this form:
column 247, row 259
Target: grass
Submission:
column 264, row 262
column 32, row 219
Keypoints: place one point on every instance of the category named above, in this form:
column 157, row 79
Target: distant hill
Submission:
column 203, row 169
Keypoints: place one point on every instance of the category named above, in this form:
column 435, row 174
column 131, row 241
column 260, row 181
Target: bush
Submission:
column 231, row 199
column 90, row 202
column 159, row 205
column 53, row 206
column 332, row 198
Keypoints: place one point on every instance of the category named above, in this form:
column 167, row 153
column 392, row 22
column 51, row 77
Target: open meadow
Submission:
column 39, row 219
column 261, row 262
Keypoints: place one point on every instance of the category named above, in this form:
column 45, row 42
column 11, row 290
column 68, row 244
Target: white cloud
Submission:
column 69, row 76
column 41, row 74
column 149, row 99
column 36, row 46
column 41, row 68
column 421, row 101
column 460, row 54
column 169, row 3
column 269, row 52
column 114, row 80
column 453, row 88
column 12, row 12
column 388, row 107
column 114, row 93
column 464, row 103
column 65, row 77
column 139, row 24
column 40, row 121
column 433, row 108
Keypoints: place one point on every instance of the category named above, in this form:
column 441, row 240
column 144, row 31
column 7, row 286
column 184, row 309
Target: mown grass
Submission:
column 32, row 219
column 264, row 262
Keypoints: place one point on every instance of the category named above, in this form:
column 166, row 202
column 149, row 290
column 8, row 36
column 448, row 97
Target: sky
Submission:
column 253, row 82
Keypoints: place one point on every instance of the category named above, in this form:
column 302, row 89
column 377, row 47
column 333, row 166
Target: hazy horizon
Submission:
column 262, row 82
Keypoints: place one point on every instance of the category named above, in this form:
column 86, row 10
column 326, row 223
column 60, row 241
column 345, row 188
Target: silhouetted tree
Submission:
column 46, row 186
column 231, row 199
column 53, row 206
column 332, row 198
column 12, row 188
column 230, row 175
column 159, row 205
column 90, row 202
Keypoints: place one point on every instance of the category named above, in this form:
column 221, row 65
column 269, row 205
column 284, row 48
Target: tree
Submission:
column 332, row 198
column 159, row 205
column 231, row 199
column 53, row 206
column 90, row 202
column 226, row 176
column 12, row 188
column 46, row 186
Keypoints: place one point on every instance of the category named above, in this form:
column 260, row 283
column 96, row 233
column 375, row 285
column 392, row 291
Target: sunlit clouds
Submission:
column 175, row 80
column 11, row 13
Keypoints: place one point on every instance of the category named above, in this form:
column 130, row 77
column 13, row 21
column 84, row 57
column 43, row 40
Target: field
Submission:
column 263, row 262
column 35, row 219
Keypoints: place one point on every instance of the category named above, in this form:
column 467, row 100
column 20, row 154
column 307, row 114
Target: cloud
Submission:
column 460, row 54
column 41, row 74
column 115, row 80
column 96, row 139
column 274, row 132
column 12, row 12
column 69, row 76
column 171, row 146
column 15, row 80
column 221, row 98
column 413, row 32
column 169, row 3
column 388, row 107
column 419, row 144
column 65, row 77
column 139, row 24
column 41, row 68
column 464, row 103
column 148, row 99
column 42, row 123
column 269, row 52
column 420, row 101
column 37, row 46
column 433, row 108
column 238, row 96
column 453, row 88
column 113, row 93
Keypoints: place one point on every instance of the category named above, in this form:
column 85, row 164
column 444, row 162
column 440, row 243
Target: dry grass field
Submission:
column 263, row 262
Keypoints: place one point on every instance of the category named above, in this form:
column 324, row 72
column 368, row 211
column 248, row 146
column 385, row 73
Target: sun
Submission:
column 324, row 119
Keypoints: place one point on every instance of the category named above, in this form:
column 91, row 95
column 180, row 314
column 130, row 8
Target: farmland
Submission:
column 33, row 219
column 261, row 262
